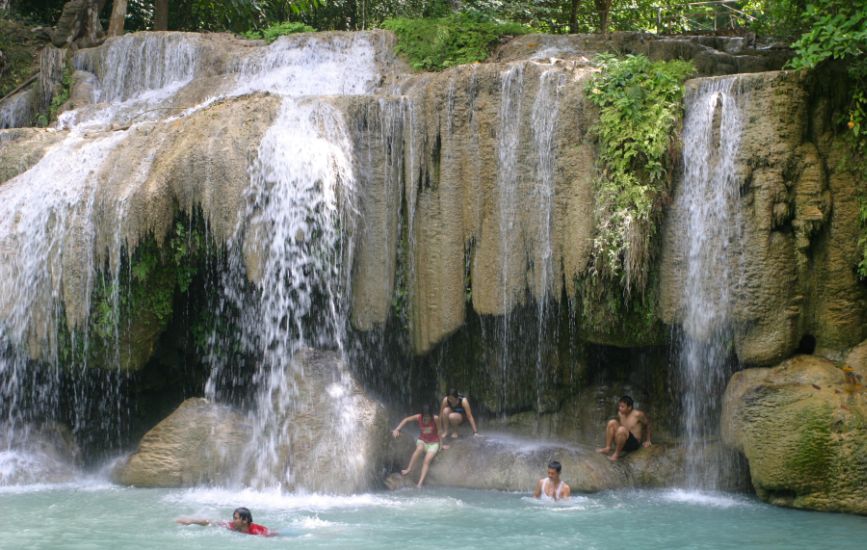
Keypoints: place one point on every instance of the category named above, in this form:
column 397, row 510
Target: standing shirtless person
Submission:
column 629, row 432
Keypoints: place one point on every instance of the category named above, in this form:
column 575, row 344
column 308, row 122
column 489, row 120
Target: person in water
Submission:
column 242, row 522
column 628, row 432
column 552, row 486
column 428, row 440
column 454, row 408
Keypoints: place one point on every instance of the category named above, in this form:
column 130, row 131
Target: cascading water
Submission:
column 299, row 205
column 295, row 215
column 709, row 238
column 545, row 114
column 299, row 211
column 508, row 179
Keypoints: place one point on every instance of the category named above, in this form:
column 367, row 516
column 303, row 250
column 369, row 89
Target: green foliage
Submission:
column 274, row 32
column 19, row 59
column 436, row 44
column 640, row 109
column 62, row 95
column 862, row 239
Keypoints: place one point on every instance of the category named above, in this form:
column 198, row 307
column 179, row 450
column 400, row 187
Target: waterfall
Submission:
column 133, row 64
column 49, row 236
column 545, row 115
column 289, row 259
column 508, row 179
column 709, row 239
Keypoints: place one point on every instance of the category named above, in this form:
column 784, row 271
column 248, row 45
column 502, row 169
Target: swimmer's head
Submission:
column 554, row 468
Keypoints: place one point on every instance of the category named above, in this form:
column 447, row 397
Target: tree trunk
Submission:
column 118, row 17
column 573, row 17
column 161, row 15
column 79, row 24
column 603, row 8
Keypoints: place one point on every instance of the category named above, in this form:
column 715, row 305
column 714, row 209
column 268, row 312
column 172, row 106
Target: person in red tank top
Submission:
column 428, row 440
column 242, row 522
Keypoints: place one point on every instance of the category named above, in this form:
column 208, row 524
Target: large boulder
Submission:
column 329, row 421
column 801, row 426
column 198, row 443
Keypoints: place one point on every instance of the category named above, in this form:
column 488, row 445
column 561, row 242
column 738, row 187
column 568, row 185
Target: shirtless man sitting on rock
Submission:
column 629, row 431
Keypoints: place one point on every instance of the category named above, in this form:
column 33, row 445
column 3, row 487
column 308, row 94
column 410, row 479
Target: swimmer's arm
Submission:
column 538, row 492
column 567, row 492
column 193, row 521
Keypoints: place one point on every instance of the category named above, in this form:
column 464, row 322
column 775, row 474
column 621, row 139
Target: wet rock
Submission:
column 322, row 437
column 199, row 443
column 794, row 273
column 45, row 453
column 496, row 461
column 801, row 426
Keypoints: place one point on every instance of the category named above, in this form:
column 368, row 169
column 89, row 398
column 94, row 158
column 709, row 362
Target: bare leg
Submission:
column 425, row 465
column 455, row 420
column 620, row 438
column 610, row 430
column 415, row 455
column 447, row 412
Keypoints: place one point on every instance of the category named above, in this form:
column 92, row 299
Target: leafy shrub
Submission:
column 274, row 32
column 459, row 38
column 640, row 104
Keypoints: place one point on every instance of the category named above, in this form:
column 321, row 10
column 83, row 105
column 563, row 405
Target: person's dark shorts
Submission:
column 632, row 444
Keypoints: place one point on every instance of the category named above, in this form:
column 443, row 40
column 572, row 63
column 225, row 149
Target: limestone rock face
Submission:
column 710, row 55
column 495, row 169
column 21, row 148
column 801, row 426
column 199, row 443
column 795, row 275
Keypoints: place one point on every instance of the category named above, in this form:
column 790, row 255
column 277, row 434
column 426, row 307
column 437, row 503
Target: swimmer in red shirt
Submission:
column 242, row 521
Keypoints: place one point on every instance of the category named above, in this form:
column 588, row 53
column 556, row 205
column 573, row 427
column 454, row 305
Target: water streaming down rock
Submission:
column 46, row 219
column 709, row 236
column 288, row 275
column 293, row 242
column 545, row 114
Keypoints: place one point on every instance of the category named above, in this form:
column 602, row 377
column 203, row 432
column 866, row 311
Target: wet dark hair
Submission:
column 244, row 514
column 626, row 400
column 426, row 410
column 453, row 392
column 554, row 465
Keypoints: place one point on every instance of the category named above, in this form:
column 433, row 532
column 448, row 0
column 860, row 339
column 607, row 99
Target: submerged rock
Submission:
column 801, row 426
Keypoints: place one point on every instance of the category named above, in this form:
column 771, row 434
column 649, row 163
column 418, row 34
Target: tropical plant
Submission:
column 458, row 38
column 640, row 109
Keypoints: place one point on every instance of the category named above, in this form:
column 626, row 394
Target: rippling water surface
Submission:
column 98, row 515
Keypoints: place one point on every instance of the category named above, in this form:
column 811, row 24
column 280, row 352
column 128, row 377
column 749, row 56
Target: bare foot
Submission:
column 418, row 486
column 603, row 450
column 445, row 446
column 454, row 435
column 404, row 472
column 614, row 457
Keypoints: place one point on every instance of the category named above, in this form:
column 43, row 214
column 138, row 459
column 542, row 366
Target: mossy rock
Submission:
column 802, row 428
